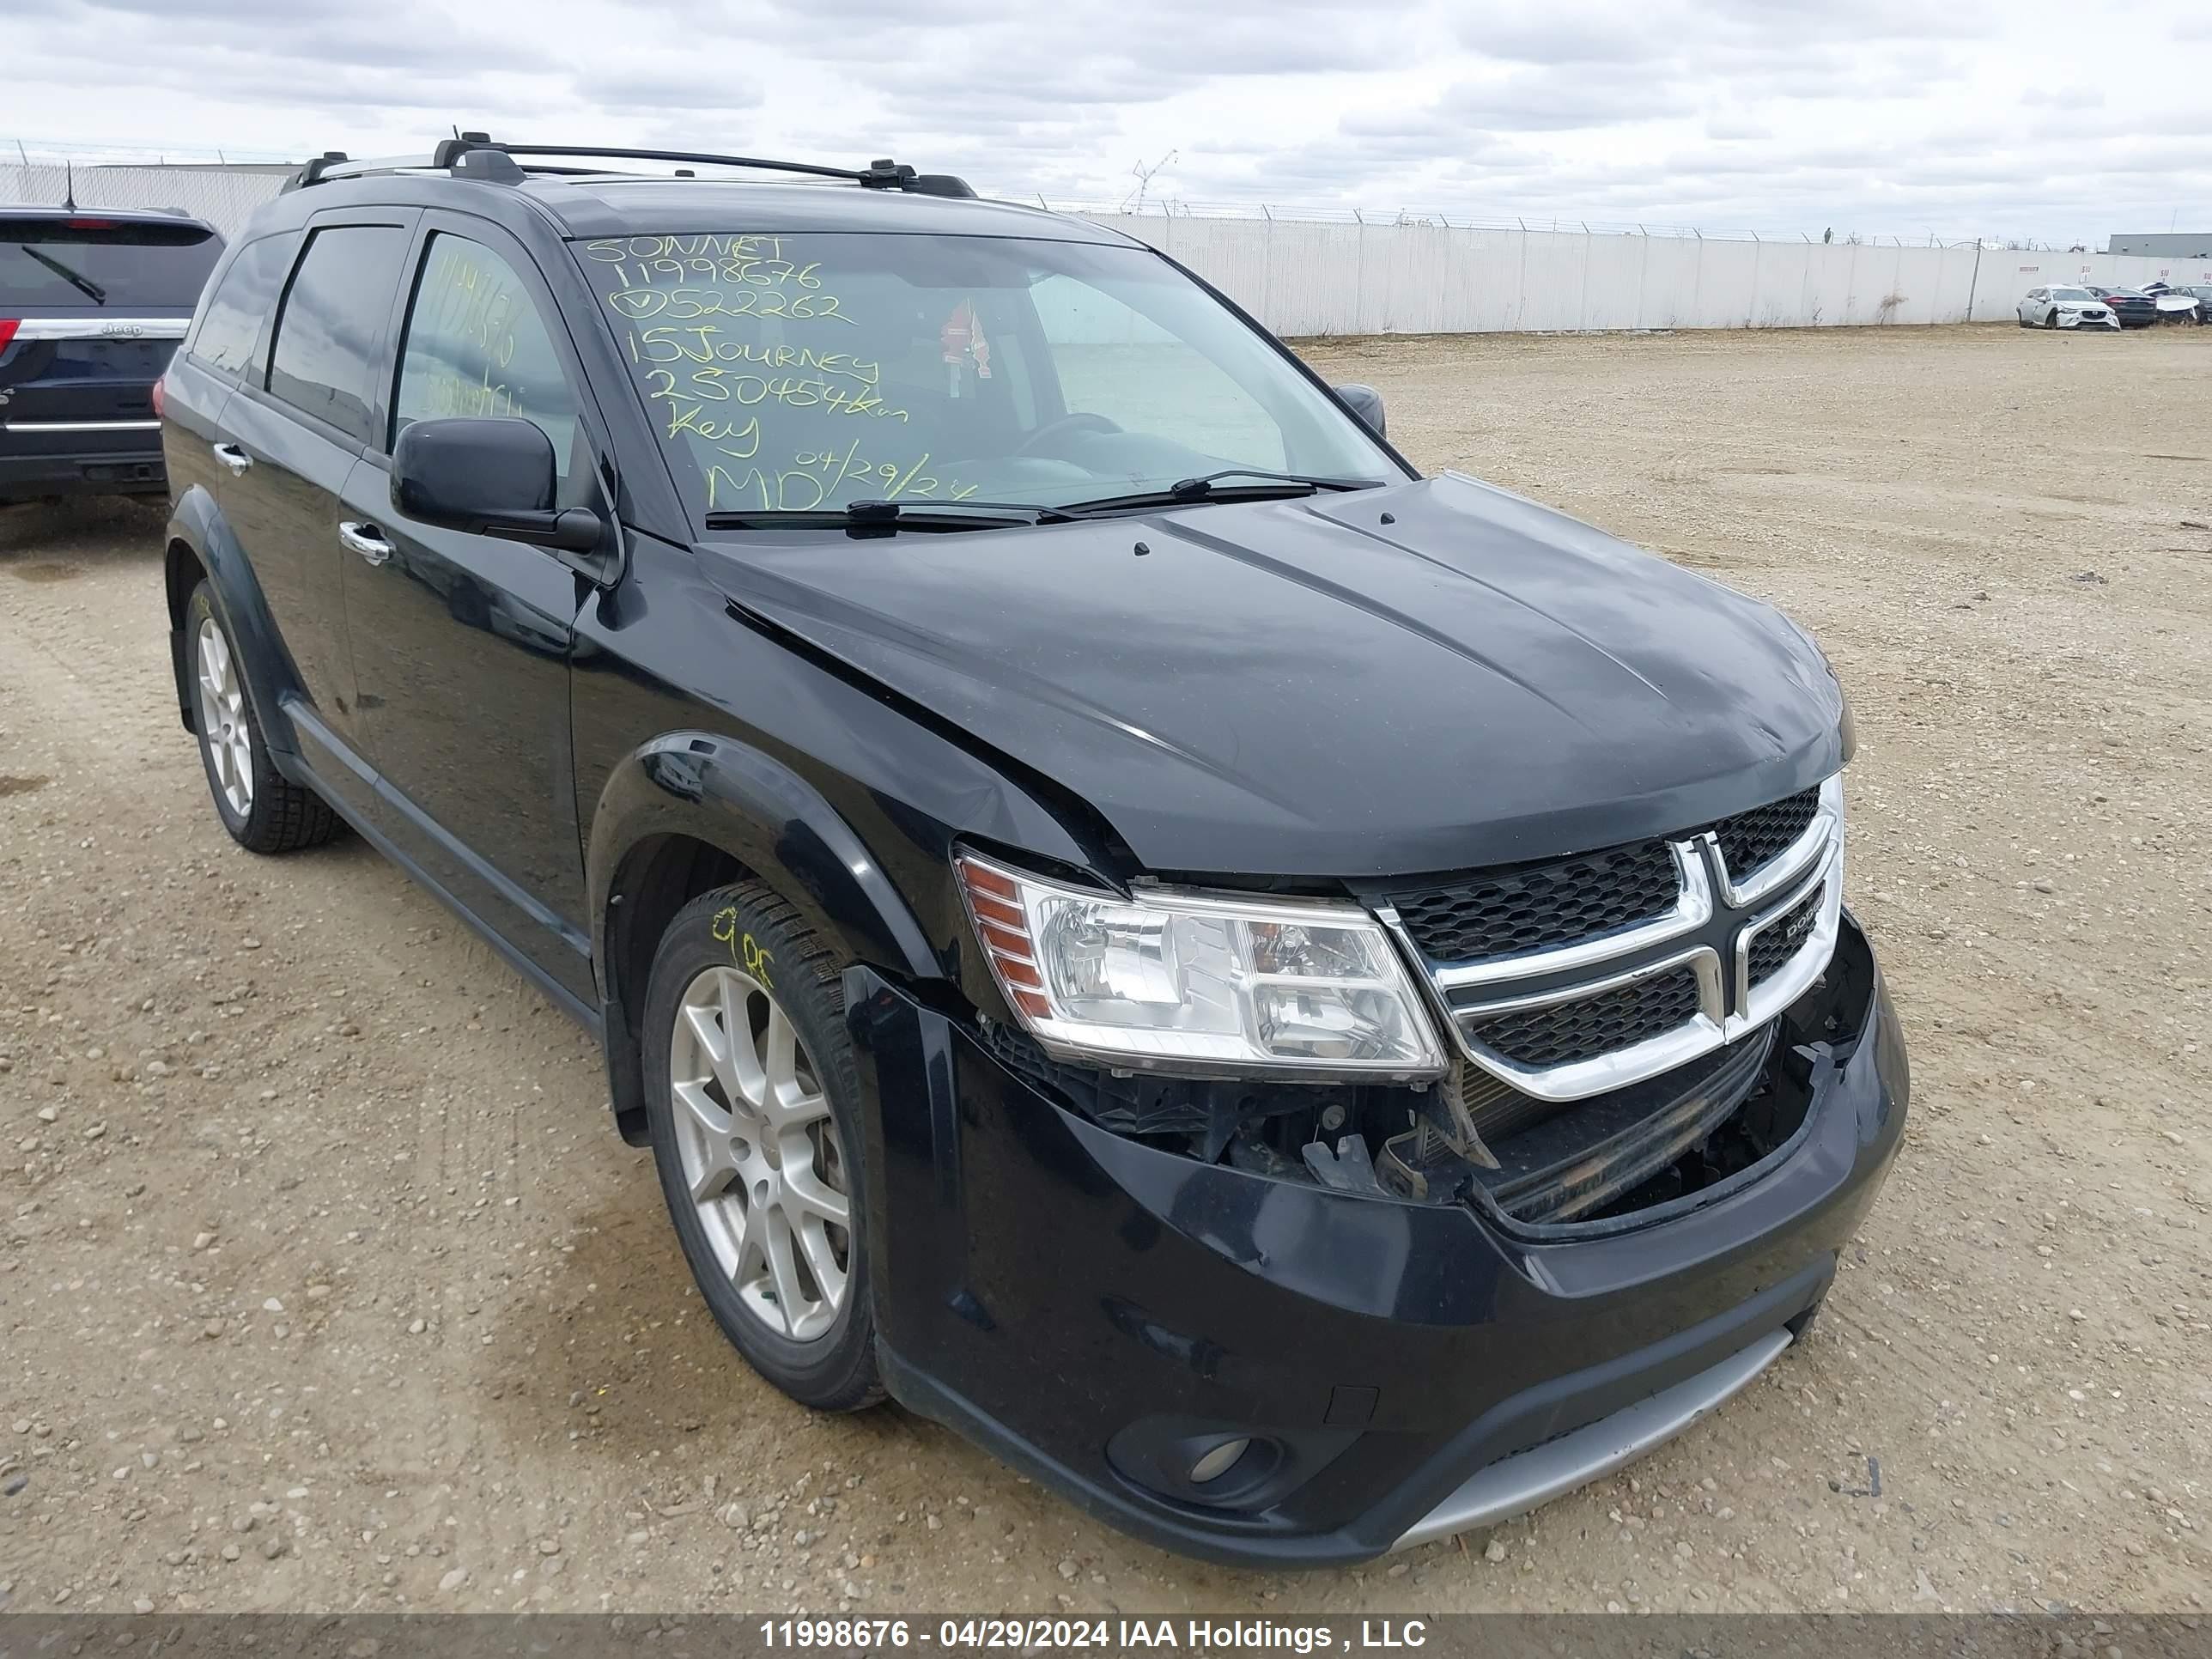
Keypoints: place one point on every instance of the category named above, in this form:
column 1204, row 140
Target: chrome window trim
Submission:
column 1779, row 871
column 102, row 328
column 1693, row 908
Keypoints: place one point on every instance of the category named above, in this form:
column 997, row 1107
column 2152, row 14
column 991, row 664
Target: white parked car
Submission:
column 2179, row 305
column 2061, row 307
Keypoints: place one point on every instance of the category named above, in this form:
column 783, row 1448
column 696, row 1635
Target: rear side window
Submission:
column 78, row 263
column 322, row 360
column 230, row 336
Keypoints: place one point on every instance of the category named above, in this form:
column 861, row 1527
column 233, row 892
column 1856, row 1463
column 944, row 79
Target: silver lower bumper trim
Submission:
column 1514, row 1486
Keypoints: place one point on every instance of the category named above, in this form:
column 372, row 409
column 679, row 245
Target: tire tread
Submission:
column 285, row 816
column 804, row 949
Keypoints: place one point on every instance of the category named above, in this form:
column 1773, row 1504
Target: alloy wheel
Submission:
column 223, row 719
column 760, row 1153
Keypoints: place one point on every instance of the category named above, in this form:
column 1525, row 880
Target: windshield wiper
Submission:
column 861, row 519
column 1189, row 492
column 888, row 518
column 77, row 280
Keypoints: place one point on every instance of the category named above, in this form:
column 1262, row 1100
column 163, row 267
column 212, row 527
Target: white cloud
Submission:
column 1897, row 116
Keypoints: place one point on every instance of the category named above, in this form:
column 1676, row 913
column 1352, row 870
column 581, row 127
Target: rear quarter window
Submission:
column 84, row 262
column 230, row 338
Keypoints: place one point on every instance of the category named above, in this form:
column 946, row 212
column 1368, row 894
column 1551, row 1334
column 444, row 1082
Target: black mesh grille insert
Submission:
column 1776, row 943
column 1750, row 839
column 1539, row 905
column 1594, row 1025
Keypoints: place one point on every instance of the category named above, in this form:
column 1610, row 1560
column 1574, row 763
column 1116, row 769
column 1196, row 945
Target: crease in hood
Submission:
column 1297, row 688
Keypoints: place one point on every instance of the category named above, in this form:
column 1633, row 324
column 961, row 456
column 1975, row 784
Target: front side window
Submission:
column 797, row 372
column 230, row 338
column 324, row 358
column 476, row 344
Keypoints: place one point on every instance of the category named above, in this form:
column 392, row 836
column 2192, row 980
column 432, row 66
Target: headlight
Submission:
column 1186, row 983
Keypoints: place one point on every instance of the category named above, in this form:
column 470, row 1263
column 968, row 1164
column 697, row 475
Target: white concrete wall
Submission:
column 1301, row 277
column 1304, row 278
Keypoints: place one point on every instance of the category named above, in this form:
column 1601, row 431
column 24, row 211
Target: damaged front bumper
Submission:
column 1113, row 1318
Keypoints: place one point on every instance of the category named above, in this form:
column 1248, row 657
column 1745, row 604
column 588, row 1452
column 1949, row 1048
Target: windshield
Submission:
column 803, row 373
column 2068, row 294
column 83, row 262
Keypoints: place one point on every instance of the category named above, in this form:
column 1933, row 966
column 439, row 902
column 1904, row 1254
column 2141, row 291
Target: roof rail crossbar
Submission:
column 881, row 175
column 477, row 156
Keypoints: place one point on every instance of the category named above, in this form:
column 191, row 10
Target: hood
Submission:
column 1302, row 688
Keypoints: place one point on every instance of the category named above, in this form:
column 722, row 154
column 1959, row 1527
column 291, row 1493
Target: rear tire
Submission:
column 263, row 811
column 757, row 1141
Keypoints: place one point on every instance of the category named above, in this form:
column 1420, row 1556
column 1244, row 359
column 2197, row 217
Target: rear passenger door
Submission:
column 290, row 437
column 460, row 641
column 228, row 344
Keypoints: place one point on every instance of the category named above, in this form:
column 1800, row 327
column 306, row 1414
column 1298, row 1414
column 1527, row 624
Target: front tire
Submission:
column 263, row 811
column 2050, row 318
column 752, row 1099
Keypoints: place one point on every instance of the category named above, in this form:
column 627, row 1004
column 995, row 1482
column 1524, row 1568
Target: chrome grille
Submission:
column 1772, row 947
column 1567, row 1032
column 1505, row 912
column 1750, row 839
column 1565, row 991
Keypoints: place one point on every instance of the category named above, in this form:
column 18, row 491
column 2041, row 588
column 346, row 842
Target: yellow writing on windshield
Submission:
column 818, row 476
column 735, row 343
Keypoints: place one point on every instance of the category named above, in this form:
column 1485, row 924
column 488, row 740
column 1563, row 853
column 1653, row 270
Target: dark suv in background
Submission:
column 93, row 302
column 1307, row 1008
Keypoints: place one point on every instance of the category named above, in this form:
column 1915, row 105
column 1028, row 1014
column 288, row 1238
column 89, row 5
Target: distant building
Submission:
column 2168, row 244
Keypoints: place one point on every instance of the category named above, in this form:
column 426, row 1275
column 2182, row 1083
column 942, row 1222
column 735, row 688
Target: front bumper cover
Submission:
column 1058, row 1293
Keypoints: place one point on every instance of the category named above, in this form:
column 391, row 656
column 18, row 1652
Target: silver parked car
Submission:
column 2060, row 306
column 2185, row 303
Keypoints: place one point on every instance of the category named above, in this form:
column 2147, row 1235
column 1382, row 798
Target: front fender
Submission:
column 198, row 522
column 730, row 795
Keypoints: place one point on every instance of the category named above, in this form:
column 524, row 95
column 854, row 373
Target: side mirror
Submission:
column 1366, row 403
column 490, row 477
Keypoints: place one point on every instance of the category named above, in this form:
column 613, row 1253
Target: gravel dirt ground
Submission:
column 326, row 1285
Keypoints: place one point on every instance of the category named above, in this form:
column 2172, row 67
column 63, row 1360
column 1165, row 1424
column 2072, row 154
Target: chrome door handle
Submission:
column 233, row 457
column 366, row 540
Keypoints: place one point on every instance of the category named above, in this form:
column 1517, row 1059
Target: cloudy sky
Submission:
column 1883, row 116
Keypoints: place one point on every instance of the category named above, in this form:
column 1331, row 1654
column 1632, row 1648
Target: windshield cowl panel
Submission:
column 803, row 373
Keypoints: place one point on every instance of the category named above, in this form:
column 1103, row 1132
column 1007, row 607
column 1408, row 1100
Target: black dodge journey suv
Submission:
column 1306, row 1008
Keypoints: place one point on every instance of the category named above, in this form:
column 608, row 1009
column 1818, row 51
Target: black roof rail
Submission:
column 478, row 155
column 312, row 173
column 885, row 174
